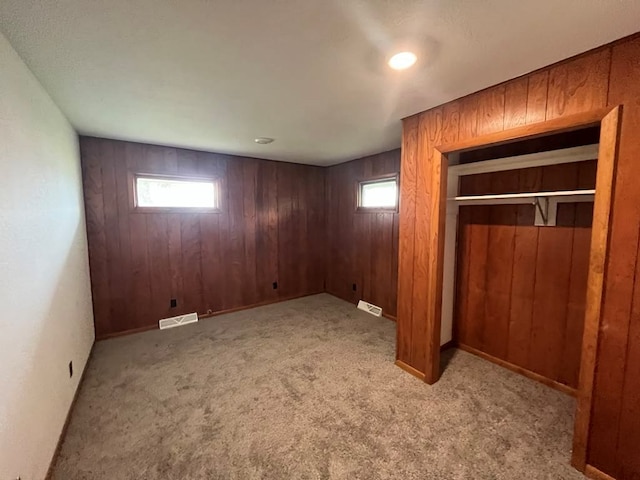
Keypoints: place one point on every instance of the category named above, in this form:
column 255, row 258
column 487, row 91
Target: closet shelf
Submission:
column 546, row 203
column 580, row 195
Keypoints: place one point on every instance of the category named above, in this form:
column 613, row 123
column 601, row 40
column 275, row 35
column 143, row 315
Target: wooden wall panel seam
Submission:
column 625, row 376
column 207, row 261
column 408, row 166
column 597, row 326
column 362, row 246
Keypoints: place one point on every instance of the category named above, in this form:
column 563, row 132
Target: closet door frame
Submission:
column 609, row 120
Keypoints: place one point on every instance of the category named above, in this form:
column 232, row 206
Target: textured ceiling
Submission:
column 215, row 74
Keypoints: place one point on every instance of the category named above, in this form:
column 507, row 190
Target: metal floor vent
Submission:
column 370, row 308
column 178, row 321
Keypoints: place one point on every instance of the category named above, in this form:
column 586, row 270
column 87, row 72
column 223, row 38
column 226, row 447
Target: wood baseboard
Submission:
column 417, row 373
column 446, row 346
column 410, row 369
column 146, row 328
column 393, row 318
column 63, row 432
column 259, row 304
column 522, row 371
column 388, row 316
column 594, row 474
column 123, row 333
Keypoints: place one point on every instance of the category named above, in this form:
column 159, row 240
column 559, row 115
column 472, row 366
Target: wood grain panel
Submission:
column 553, row 268
column 111, row 229
column 123, row 309
column 537, row 96
column 211, row 246
column 525, row 252
column 490, row 111
column 468, row 122
column 579, row 86
column 316, row 218
column 249, row 220
column 451, row 122
column 576, row 307
column 518, row 369
column 191, row 242
column 421, row 249
column 267, row 230
column 362, row 246
column 594, row 322
column 437, row 223
column 499, row 270
column 430, row 131
column 408, row 170
column 461, row 328
column 136, row 157
column 208, row 262
column 94, row 212
column 476, row 234
column 515, row 103
column 518, row 277
column 159, row 267
column 615, row 428
column 569, row 93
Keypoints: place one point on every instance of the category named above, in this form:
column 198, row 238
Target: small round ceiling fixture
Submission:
column 263, row 140
column 402, row 60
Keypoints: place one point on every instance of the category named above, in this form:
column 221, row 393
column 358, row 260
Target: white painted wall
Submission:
column 46, row 318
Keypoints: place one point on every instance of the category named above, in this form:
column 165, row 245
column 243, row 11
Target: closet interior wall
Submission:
column 521, row 289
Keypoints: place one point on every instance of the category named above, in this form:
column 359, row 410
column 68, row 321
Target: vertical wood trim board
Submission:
column 270, row 228
column 590, row 85
column 605, row 187
column 408, row 165
column 436, row 248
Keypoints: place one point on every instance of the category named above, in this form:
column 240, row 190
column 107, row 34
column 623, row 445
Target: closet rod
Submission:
column 546, row 203
column 580, row 195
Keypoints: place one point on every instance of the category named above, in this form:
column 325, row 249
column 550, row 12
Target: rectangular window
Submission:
column 379, row 194
column 165, row 192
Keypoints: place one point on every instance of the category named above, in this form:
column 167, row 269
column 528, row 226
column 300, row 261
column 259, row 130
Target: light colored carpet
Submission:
column 305, row 389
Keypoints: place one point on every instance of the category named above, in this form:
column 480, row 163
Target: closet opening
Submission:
column 518, row 235
column 519, row 221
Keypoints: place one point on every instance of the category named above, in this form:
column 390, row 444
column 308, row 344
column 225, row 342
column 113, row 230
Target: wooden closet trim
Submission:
column 605, row 180
column 557, row 125
column 609, row 120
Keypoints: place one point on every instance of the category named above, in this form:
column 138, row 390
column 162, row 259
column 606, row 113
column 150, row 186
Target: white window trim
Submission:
column 133, row 182
column 380, row 179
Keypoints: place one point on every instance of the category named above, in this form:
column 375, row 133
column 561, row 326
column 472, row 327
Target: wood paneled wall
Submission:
column 271, row 229
column 604, row 77
column 362, row 247
column 521, row 289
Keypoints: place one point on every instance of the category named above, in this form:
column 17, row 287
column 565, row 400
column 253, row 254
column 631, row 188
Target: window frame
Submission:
column 377, row 179
column 133, row 190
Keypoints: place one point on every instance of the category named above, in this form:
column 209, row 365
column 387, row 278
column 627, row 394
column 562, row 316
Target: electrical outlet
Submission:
column 275, row 285
column 71, row 369
column 174, row 303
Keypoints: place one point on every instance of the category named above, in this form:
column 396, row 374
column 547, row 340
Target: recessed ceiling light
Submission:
column 263, row 140
column 402, row 60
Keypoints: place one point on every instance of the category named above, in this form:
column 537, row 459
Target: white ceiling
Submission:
column 215, row 74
